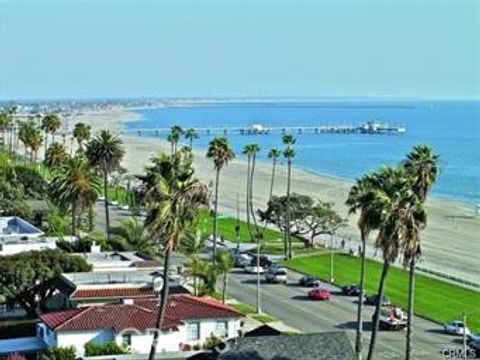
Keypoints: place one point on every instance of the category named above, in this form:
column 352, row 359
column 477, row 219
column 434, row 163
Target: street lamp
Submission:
column 157, row 283
column 331, row 259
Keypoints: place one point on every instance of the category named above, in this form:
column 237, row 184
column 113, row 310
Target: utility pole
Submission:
column 464, row 336
column 259, row 302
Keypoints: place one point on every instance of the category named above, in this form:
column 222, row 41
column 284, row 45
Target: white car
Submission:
column 276, row 275
column 254, row 269
column 124, row 207
column 474, row 336
column 457, row 328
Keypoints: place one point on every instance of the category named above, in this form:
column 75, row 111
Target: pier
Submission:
column 369, row 128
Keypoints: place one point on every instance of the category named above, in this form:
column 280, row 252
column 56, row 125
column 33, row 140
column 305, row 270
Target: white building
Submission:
column 17, row 235
column 188, row 321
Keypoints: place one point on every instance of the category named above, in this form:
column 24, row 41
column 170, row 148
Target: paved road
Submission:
column 290, row 304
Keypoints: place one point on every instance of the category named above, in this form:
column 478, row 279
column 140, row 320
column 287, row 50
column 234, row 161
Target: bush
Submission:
column 59, row 353
column 110, row 348
column 211, row 342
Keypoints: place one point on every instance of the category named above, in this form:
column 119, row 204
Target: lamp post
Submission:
column 331, row 259
column 157, row 283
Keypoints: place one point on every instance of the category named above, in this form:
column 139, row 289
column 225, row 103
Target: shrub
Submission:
column 211, row 342
column 59, row 353
column 110, row 348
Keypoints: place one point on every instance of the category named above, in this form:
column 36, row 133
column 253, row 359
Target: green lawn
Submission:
column 247, row 309
column 434, row 299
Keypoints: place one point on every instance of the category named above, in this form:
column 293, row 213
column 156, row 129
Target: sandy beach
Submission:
column 451, row 241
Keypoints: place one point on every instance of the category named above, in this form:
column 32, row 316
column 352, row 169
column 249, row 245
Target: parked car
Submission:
column 276, row 275
column 351, row 290
column 243, row 260
column 473, row 336
column 264, row 261
column 254, row 269
column 319, row 294
column 456, row 328
column 309, row 281
column 392, row 318
column 373, row 299
column 123, row 207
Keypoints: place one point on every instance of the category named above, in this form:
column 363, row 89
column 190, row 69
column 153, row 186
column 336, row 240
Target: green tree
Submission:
column 173, row 197
column 55, row 156
column 50, row 124
column 221, row 153
column 134, row 235
column 75, row 187
column 81, row 133
column 392, row 196
column 273, row 154
column 251, row 151
column 105, row 152
column 224, row 263
column 191, row 134
column 288, row 154
column 361, row 199
column 28, row 278
column 422, row 167
column 59, row 353
column 176, row 133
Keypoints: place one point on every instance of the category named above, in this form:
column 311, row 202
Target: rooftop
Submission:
column 317, row 346
column 140, row 315
column 16, row 230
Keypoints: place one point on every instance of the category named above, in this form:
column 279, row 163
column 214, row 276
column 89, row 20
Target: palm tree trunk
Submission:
column 224, row 290
column 191, row 143
column 90, row 218
column 289, row 240
column 163, row 305
column 411, row 293
column 252, row 212
column 359, row 337
column 215, row 214
column 376, row 315
column 46, row 145
column 247, row 197
column 272, row 181
column 107, row 212
column 74, row 220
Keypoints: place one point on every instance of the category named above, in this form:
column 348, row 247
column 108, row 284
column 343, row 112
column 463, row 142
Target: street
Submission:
column 290, row 304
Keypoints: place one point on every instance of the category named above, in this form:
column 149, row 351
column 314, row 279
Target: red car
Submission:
column 319, row 294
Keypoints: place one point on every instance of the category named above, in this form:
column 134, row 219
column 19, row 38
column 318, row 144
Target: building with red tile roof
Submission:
column 188, row 321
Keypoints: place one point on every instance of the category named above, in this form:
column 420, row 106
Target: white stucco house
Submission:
column 188, row 321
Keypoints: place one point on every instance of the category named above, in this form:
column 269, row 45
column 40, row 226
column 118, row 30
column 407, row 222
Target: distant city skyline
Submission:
column 58, row 49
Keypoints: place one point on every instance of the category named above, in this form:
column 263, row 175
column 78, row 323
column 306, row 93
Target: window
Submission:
column 126, row 339
column 221, row 329
column 193, row 331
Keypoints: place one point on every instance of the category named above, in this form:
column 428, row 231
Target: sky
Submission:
column 239, row 48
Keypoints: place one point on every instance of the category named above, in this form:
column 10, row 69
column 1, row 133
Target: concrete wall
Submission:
column 140, row 342
column 10, row 249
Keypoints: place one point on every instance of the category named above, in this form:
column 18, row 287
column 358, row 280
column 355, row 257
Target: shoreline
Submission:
column 448, row 219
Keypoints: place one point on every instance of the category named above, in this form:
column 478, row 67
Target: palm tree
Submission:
column 191, row 134
column 422, row 166
column 35, row 142
column 81, row 133
column 50, row 124
column 5, row 121
column 360, row 198
column 75, row 187
column 224, row 264
column 174, row 197
column 289, row 154
column 55, row 156
column 248, row 150
column 391, row 197
column 175, row 134
column 105, row 152
column 133, row 232
column 273, row 154
column 221, row 153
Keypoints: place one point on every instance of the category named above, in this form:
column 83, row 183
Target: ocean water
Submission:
column 451, row 128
